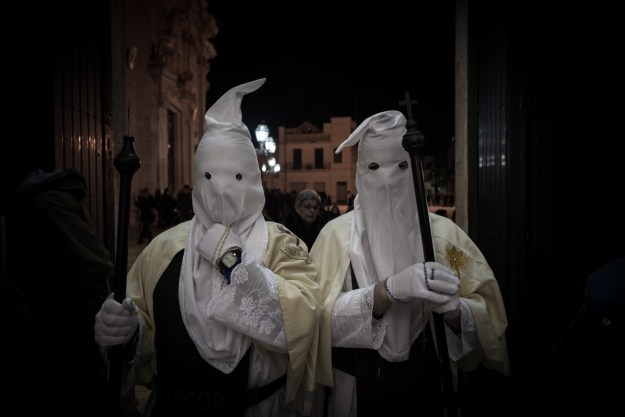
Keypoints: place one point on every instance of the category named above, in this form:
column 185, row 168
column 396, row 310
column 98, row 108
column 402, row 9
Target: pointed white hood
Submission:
column 385, row 235
column 227, row 190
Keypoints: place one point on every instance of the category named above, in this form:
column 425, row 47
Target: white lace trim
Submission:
column 352, row 321
column 251, row 304
column 378, row 328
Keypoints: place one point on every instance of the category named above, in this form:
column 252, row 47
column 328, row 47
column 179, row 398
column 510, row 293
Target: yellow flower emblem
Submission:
column 456, row 259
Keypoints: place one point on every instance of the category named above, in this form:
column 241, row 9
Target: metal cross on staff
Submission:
column 408, row 103
column 413, row 142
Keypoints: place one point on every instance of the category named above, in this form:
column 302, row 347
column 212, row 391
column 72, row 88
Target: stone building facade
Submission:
column 168, row 51
column 307, row 159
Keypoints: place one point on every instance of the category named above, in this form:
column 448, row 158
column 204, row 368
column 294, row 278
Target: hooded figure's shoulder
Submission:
column 169, row 242
column 283, row 236
column 446, row 229
column 157, row 255
column 284, row 242
column 177, row 233
column 340, row 226
column 334, row 236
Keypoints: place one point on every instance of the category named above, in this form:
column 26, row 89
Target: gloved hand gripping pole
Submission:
column 127, row 163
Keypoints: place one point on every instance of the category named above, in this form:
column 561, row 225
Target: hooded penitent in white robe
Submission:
column 271, row 304
column 380, row 238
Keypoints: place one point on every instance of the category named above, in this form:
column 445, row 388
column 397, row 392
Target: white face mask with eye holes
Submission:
column 385, row 218
column 228, row 187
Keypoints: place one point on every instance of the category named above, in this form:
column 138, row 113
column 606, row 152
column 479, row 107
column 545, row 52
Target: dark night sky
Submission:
column 322, row 62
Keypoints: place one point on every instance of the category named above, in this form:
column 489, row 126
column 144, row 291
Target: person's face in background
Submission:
column 308, row 210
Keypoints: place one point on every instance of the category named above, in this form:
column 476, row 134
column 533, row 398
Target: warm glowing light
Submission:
column 262, row 132
column 270, row 145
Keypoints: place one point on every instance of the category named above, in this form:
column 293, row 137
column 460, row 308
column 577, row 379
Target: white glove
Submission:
column 427, row 280
column 116, row 323
column 451, row 308
column 218, row 240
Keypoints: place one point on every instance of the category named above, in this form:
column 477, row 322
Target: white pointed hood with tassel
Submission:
column 227, row 190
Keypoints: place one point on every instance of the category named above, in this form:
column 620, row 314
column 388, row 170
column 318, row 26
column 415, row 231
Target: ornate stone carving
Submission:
column 183, row 47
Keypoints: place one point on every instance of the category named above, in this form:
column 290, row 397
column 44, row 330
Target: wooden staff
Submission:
column 413, row 142
column 127, row 163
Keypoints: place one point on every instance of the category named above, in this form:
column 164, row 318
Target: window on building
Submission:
column 319, row 158
column 298, row 186
column 297, row 159
column 338, row 157
column 341, row 192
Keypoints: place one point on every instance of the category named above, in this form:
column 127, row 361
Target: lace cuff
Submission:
column 352, row 324
column 251, row 305
column 460, row 344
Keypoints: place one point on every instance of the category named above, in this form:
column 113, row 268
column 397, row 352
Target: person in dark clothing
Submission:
column 305, row 221
column 18, row 327
column 64, row 272
column 587, row 356
column 166, row 209
column 184, row 203
column 147, row 214
column 334, row 212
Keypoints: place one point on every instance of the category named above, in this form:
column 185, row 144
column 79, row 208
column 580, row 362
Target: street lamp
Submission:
column 267, row 148
column 262, row 133
column 270, row 145
column 270, row 150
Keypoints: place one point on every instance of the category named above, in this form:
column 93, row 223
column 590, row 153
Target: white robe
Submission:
column 294, row 279
column 347, row 317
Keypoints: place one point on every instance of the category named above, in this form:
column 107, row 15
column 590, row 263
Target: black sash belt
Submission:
column 258, row 394
column 219, row 402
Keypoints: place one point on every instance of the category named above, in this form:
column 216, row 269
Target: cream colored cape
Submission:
column 453, row 248
column 301, row 329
